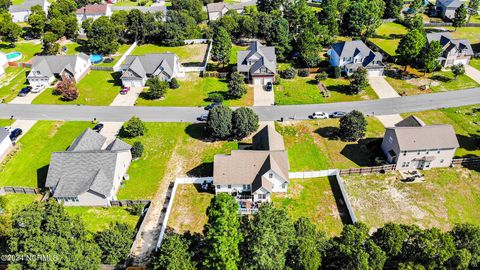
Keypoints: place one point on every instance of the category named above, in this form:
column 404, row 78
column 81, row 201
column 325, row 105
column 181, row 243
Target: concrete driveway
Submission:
column 385, row 90
column 26, row 99
column 262, row 97
column 110, row 130
column 472, row 73
column 25, row 125
column 128, row 99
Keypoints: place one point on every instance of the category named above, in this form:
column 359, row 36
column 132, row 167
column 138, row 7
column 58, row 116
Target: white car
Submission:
column 319, row 115
column 38, row 88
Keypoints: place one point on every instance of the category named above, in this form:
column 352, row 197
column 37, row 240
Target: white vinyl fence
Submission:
column 312, row 174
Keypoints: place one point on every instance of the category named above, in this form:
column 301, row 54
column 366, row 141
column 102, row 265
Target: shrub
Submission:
column 277, row 79
column 136, row 209
column 336, row 73
column 219, row 122
column 157, row 88
column 137, row 150
column 174, row 84
column 133, row 128
column 115, row 243
column 358, row 81
column 236, row 85
column 288, row 73
column 215, row 97
column 67, row 88
column 303, row 72
column 458, row 70
column 352, row 126
column 321, row 76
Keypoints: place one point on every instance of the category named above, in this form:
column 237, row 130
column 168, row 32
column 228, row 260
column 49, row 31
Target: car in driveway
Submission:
column 203, row 117
column 38, row 88
column 338, row 114
column 14, row 134
column 269, row 86
column 125, row 90
column 25, row 90
column 98, row 127
column 213, row 105
column 319, row 115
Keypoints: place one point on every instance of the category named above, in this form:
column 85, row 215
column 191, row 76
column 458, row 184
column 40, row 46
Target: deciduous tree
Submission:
column 115, row 243
column 244, row 122
column 352, row 126
column 430, row 56
column 37, row 21
column 236, row 85
column 393, row 9
column 133, row 128
column 460, row 17
column 358, row 81
column 174, row 254
column 156, row 88
column 219, row 122
column 410, row 47
column 102, row 36
column 458, row 70
column 67, row 88
column 305, row 252
column 221, row 46
column 269, row 5
column 49, row 44
column 9, row 31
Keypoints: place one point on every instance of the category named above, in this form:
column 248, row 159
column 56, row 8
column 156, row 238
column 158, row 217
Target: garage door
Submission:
column 257, row 81
column 375, row 73
column 267, row 80
column 461, row 61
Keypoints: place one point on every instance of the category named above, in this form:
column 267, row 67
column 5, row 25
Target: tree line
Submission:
column 270, row 239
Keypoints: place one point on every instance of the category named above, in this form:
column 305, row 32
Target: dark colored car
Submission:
column 125, row 90
column 338, row 114
column 211, row 106
column 15, row 134
column 203, row 117
column 98, row 127
column 269, row 86
column 24, row 91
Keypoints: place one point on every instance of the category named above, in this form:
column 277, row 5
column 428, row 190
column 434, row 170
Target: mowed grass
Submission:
column 189, row 211
column 388, row 36
column 447, row 196
column 464, row 120
column 96, row 88
column 312, row 145
column 29, row 165
column 17, row 201
column 234, row 53
column 304, row 90
column 116, row 56
column 14, row 80
column 194, row 53
column 27, row 48
column 313, row 198
column 194, row 90
column 100, row 218
column 475, row 63
column 6, row 122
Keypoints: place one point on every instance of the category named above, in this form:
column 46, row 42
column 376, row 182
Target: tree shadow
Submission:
column 469, row 142
column 339, row 88
column 197, row 131
column 341, row 206
column 5, row 46
column 313, row 82
column 441, row 78
column 116, row 81
column 330, row 133
column 364, row 152
column 42, row 176
column 197, row 245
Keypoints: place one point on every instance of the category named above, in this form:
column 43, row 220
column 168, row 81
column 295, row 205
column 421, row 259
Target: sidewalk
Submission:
column 384, row 90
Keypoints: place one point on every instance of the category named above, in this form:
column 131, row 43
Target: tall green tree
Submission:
column 45, row 229
column 244, row 122
column 473, row 6
column 391, row 238
column 219, row 122
column 222, row 235
column 49, row 44
column 410, row 47
column 115, row 243
column 467, row 236
column 358, row 81
column 134, row 127
column 5, row 4
column 362, row 18
column 352, row 126
column 329, row 16
column 9, row 31
column 174, row 254
column 102, row 36
column 430, row 56
column 194, row 8
column 221, row 46
column 393, row 9
column 37, row 21
column 136, row 25
column 236, row 85
column 460, row 17
column 156, row 88
column 269, row 5
column 306, row 251
column 415, row 6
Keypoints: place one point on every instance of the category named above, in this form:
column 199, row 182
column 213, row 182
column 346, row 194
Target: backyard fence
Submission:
column 375, row 169
column 196, row 41
column 338, row 178
column 214, row 74
column 116, row 67
column 20, row 190
column 102, row 68
column 312, row 174
column 146, row 210
column 166, row 211
column 434, row 24
column 465, row 161
column 128, row 202
column 194, row 180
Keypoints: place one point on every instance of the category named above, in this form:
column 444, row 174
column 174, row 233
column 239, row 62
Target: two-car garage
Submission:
column 262, row 80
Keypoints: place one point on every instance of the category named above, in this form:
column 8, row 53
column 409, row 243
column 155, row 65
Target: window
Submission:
column 404, row 153
column 426, row 153
column 245, row 187
column 390, row 139
column 438, row 151
column 418, row 153
column 270, row 175
column 441, row 161
column 405, row 164
column 284, row 185
column 262, row 196
column 218, row 186
column 229, row 186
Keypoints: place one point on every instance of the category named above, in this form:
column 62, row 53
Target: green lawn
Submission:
column 475, row 63
column 234, row 52
column 388, row 36
column 97, row 88
column 449, row 83
column 194, row 91
column 131, row 3
column 470, row 33
column 27, row 48
column 303, row 90
column 313, row 198
column 312, row 145
column 14, row 80
column 194, row 53
column 121, row 50
column 100, row 218
column 447, row 196
column 17, row 2
column 17, row 201
column 73, row 48
column 6, row 122
column 28, row 166
column 464, row 120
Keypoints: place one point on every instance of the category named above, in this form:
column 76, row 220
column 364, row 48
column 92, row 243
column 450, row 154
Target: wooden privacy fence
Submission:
column 465, row 161
column 432, row 24
column 375, row 169
column 21, row 190
column 102, row 68
column 128, row 202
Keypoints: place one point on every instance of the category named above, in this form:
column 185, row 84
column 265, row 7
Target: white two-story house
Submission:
column 454, row 51
column 258, row 63
column 21, row 11
column 350, row 55
column 93, row 12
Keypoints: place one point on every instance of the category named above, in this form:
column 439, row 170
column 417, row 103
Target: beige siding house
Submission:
column 413, row 145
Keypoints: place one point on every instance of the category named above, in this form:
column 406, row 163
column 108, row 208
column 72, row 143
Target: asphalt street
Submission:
column 266, row 113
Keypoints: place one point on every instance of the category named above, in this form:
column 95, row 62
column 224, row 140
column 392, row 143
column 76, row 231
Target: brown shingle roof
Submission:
column 268, row 139
column 425, row 137
column 93, row 9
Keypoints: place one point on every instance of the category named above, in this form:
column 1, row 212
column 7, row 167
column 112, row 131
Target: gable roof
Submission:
column 266, row 57
column 89, row 140
column 411, row 121
column 450, row 3
column 219, row 6
column 139, row 66
column 354, row 48
column 26, row 6
column 268, row 139
column 448, row 43
column 93, row 9
column 54, row 64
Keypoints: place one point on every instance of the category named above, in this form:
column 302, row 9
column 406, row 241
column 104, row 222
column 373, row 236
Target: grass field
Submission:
column 388, row 36
column 447, row 196
column 15, row 202
column 194, row 53
column 100, row 218
column 131, row 3
column 189, row 209
column 475, row 63
column 312, row 145
column 116, row 56
column 234, row 51
column 465, row 122
column 27, row 48
column 303, row 90
column 29, row 165
column 97, row 88
column 14, row 80
column 313, row 198
column 194, row 91
column 6, row 122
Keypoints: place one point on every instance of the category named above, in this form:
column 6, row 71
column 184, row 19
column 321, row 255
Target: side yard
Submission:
column 188, row 54
column 388, row 36
column 14, row 80
column 27, row 48
column 100, row 218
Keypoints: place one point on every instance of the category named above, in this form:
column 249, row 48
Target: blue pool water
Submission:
column 96, row 58
column 13, row 56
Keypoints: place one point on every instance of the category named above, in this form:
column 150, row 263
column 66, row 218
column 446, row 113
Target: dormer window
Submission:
column 270, row 175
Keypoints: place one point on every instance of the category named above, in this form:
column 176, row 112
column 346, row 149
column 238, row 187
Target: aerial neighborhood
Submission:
column 265, row 134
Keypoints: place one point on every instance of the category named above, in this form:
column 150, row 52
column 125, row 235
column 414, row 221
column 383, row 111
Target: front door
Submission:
column 420, row 164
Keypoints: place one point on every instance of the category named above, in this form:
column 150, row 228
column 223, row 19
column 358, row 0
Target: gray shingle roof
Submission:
column 26, row 6
column 355, row 47
column 217, row 7
column 411, row 121
column 268, row 139
column 450, row 3
column 139, row 66
column 264, row 56
column 448, row 43
column 89, row 140
column 54, row 64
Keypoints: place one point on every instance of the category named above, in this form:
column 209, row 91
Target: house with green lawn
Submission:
column 351, row 55
column 454, row 51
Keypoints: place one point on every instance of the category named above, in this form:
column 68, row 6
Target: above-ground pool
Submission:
column 96, row 58
column 13, row 56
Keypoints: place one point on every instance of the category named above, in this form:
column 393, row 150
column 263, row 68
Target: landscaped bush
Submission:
column 174, row 84
column 133, row 128
column 136, row 209
column 321, row 76
column 288, row 73
column 215, row 97
column 156, row 88
column 336, row 73
column 303, row 72
column 277, row 79
column 137, row 150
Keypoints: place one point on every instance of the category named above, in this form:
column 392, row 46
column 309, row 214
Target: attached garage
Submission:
column 132, row 83
column 262, row 80
column 375, row 72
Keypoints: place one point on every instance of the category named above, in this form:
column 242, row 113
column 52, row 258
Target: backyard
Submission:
column 27, row 48
column 16, row 201
column 470, row 33
column 100, row 218
column 316, row 199
column 96, row 88
column 388, row 36
column 304, row 90
column 312, row 145
column 447, row 196
column 193, row 54
column 14, row 80
column 194, row 90
column 28, row 165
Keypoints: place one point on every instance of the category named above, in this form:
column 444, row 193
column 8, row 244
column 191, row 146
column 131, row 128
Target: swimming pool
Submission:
column 96, row 58
column 13, row 56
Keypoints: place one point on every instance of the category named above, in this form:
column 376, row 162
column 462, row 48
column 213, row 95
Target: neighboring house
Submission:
column 258, row 63
column 138, row 68
column 21, row 12
column 87, row 173
column 350, row 55
column 93, row 12
column 413, row 145
column 446, row 8
column 254, row 173
column 217, row 10
column 5, row 143
column 46, row 68
column 454, row 51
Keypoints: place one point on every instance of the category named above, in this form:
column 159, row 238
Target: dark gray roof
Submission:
column 355, row 47
column 3, row 134
column 264, row 56
column 411, row 121
column 153, row 9
column 26, row 6
column 140, row 66
column 85, row 166
column 54, row 64
column 448, row 43
column 450, row 3
column 217, row 7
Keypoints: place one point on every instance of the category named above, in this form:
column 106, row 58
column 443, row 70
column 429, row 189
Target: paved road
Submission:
column 266, row 113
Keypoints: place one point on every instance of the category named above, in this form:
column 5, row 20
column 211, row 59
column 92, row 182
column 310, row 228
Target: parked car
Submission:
column 98, row 127
column 124, row 90
column 25, row 90
column 338, row 114
column 319, row 115
column 213, row 105
column 269, row 86
column 14, row 134
column 37, row 89
column 203, row 117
